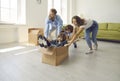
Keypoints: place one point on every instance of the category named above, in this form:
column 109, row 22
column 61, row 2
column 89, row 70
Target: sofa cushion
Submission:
column 114, row 26
column 108, row 33
column 119, row 29
column 111, row 35
column 102, row 26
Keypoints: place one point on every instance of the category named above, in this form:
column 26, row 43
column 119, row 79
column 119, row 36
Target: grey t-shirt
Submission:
column 88, row 24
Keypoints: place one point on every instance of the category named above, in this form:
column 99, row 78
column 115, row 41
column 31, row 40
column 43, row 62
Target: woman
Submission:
column 90, row 26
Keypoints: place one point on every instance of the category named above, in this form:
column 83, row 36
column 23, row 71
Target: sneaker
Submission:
column 45, row 46
column 95, row 47
column 75, row 45
column 89, row 52
column 40, row 36
column 44, row 42
column 41, row 45
column 44, row 38
column 40, row 39
column 47, row 43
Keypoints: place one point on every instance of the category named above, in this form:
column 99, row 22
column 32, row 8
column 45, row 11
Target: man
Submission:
column 52, row 23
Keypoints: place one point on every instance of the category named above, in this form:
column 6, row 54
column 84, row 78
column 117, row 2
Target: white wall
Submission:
column 100, row 10
column 71, row 9
column 35, row 17
column 8, row 34
column 36, row 13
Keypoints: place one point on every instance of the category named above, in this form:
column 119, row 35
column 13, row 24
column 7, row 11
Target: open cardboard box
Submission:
column 33, row 35
column 54, row 55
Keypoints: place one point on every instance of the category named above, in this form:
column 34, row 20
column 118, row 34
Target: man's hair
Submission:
column 53, row 10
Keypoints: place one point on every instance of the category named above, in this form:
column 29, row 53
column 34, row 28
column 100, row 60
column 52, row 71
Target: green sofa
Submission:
column 109, row 31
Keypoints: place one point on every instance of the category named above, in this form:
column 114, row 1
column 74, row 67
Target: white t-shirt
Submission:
column 88, row 24
column 52, row 26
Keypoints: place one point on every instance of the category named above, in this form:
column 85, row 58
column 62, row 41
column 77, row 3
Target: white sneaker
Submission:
column 89, row 52
column 40, row 41
column 44, row 42
column 95, row 47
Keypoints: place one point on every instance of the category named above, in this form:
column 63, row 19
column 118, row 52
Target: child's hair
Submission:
column 69, row 27
column 62, row 36
column 53, row 10
column 79, row 20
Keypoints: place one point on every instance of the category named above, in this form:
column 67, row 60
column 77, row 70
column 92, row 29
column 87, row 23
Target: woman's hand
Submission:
column 68, row 44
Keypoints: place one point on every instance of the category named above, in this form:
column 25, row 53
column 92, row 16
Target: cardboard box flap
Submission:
column 48, row 51
column 61, row 50
column 34, row 31
column 59, row 55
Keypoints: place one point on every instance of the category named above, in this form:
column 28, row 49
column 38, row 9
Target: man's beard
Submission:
column 52, row 18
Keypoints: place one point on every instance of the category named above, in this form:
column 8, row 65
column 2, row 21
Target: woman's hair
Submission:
column 69, row 27
column 78, row 20
column 53, row 10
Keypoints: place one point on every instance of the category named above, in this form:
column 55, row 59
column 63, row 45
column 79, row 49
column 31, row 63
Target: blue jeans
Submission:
column 93, row 30
column 56, row 43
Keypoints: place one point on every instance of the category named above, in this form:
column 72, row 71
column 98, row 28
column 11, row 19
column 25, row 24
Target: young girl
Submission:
column 90, row 26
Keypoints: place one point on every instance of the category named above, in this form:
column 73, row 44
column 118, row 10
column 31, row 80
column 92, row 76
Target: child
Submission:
column 70, row 31
column 60, row 41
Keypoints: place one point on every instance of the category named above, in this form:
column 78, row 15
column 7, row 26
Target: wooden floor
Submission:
column 24, row 64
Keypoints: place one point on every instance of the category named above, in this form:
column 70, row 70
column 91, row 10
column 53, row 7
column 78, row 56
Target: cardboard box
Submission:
column 33, row 35
column 54, row 55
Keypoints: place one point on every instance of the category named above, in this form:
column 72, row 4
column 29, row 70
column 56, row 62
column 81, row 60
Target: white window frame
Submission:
column 21, row 13
column 61, row 9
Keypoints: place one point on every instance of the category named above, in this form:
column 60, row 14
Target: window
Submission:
column 60, row 6
column 12, row 12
